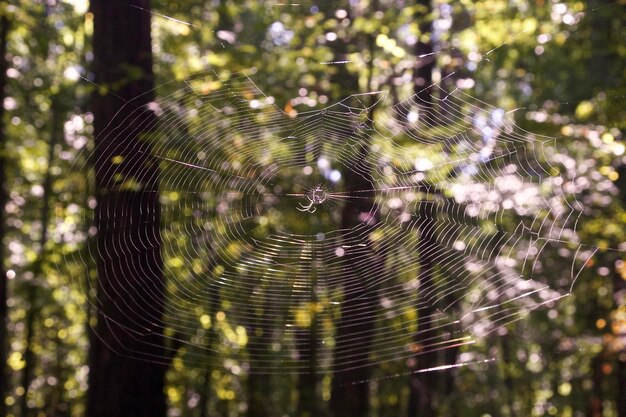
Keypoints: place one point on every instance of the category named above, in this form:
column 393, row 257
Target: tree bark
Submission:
column 259, row 388
column 4, row 376
column 355, row 331
column 56, row 133
column 307, row 344
column 127, row 363
column 354, row 335
column 619, row 300
column 424, row 51
column 29, row 357
column 422, row 385
column 595, row 405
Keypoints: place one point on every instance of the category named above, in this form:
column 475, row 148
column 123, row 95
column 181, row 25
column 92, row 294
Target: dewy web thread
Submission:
column 253, row 215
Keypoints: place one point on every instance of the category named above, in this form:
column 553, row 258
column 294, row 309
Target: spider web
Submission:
column 347, row 237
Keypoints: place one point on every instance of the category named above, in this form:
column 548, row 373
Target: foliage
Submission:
column 558, row 67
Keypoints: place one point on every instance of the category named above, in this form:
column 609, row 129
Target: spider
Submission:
column 315, row 196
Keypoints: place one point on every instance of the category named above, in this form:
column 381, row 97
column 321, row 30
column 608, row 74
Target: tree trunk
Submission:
column 259, row 388
column 214, row 302
column 127, row 353
column 422, row 385
column 595, row 405
column 349, row 389
column 56, row 133
column 424, row 51
column 29, row 357
column 355, row 331
column 4, row 376
column 307, row 344
column 621, row 384
column 619, row 300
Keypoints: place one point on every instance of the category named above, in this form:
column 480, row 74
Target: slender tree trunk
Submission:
column 127, row 355
column 307, row 342
column 259, row 390
column 619, row 299
column 355, row 331
column 28, row 356
column 505, row 344
column 620, row 398
column 424, row 51
column 595, row 406
column 214, row 302
column 4, row 376
column 422, row 385
column 349, row 391
column 450, row 357
column 56, row 133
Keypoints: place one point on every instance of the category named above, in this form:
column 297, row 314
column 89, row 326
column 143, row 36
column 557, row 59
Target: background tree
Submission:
column 121, row 385
column 4, row 29
column 556, row 68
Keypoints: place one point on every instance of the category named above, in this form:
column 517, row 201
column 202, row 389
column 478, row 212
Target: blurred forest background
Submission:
column 68, row 66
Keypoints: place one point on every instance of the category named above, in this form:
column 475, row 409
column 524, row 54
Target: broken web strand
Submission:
column 281, row 249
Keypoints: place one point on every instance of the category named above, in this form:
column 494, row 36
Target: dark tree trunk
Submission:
column 507, row 358
column 355, row 331
column 127, row 354
column 259, row 388
column 56, row 133
column 595, row 408
column 619, row 299
column 259, row 396
column 29, row 357
column 621, row 384
column 214, row 301
column 422, row 385
column 307, row 344
column 4, row 376
column 424, row 51
column 354, row 335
